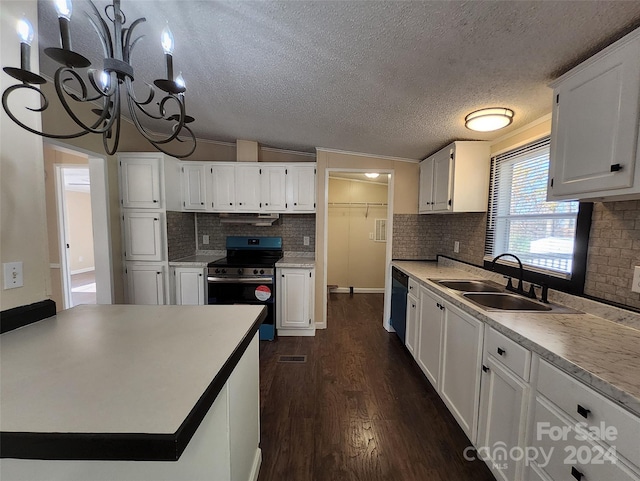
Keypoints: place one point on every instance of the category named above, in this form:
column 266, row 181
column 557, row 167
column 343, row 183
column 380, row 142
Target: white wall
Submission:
column 23, row 226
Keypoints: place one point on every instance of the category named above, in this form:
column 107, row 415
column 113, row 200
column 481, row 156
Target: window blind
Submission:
column 521, row 221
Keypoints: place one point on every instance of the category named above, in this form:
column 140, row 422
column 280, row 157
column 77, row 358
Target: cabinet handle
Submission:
column 230, row 203
column 295, row 203
column 582, row 411
column 239, row 203
column 616, row 168
column 155, row 218
column 201, row 203
column 158, row 273
column 266, row 203
column 501, row 351
column 485, row 368
column 576, row 474
column 155, row 201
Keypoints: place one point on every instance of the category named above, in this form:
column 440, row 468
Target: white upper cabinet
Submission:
column 302, row 187
column 247, row 188
column 140, row 182
column 194, row 186
column 594, row 135
column 426, row 185
column 223, row 187
column 273, row 188
column 143, row 235
column 455, row 179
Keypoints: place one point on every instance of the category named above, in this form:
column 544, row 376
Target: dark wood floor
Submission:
column 358, row 409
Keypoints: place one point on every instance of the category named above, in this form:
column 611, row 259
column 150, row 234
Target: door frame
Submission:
column 389, row 248
column 101, row 224
column 63, row 230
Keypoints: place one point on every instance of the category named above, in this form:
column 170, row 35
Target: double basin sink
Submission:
column 491, row 296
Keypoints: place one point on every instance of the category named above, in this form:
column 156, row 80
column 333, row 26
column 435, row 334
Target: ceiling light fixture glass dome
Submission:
column 488, row 120
column 372, row 175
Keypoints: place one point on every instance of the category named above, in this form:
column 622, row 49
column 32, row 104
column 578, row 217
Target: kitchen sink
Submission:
column 502, row 301
column 471, row 285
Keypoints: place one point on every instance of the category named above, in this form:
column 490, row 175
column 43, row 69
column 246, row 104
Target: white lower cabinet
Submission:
column 294, row 308
column 146, row 283
column 411, row 336
column 430, row 318
column 504, row 401
column 190, row 286
column 461, row 367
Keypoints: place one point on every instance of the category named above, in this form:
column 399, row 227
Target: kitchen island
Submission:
column 132, row 392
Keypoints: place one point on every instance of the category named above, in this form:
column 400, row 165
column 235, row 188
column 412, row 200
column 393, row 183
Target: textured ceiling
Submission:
column 391, row 78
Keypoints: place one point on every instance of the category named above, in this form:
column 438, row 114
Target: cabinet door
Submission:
column 248, row 188
column 140, row 182
column 461, row 367
column 411, row 339
column 222, row 187
column 502, row 417
column 146, row 284
column 143, row 236
column 442, row 165
column 273, row 188
column 295, row 298
column 302, row 188
column 426, row 185
column 595, row 125
column 190, row 286
column 430, row 319
column 194, row 187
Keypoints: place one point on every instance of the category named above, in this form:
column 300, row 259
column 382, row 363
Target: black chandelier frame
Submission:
column 70, row 86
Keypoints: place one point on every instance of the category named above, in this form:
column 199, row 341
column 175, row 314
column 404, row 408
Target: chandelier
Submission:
column 108, row 87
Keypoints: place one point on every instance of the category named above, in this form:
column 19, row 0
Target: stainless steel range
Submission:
column 247, row 276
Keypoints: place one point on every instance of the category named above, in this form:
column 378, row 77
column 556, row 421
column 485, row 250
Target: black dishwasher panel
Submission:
column 399, row 290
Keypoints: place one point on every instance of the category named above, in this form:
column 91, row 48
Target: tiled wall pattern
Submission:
column 291, row 227
column 614, row 249
column 425, row 236
column 181, row 234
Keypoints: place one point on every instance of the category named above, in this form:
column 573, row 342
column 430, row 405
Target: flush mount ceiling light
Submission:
column 487, row 120
column 372, row 175
column 110, row 86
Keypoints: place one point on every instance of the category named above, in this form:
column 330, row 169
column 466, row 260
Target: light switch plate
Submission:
column 456, row 247
column 12, row 275
column 205, row 239
column 635, row 287
column 305, row 240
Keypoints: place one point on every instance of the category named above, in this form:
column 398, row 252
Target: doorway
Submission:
column 78, row 227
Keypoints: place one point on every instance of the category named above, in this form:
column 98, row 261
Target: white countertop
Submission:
column 197, row 260
column 602, row 353
column 296, row 261
column 116, row 368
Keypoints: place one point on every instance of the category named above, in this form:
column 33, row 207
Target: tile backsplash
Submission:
column 181, row 234
column 291, row 227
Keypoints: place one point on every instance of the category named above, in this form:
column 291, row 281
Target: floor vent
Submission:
column 299, row 359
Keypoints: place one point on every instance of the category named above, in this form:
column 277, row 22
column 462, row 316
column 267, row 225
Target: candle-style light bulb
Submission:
column 167, row 40
column 63, row 8
column 25, row 30
column 180, row 81
column 105, row 80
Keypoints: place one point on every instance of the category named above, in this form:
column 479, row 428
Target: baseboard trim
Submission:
column 21, row 316
column 357, row 290
column 82, row 271
column 296, row 332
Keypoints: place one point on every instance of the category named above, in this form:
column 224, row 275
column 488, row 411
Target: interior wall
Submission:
column 23, row 236
column 405, row 200
column 353, row 258
column 80, row 231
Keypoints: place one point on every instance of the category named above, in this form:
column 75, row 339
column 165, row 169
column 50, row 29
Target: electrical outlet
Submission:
column 205, row 239
column 456, row 247
column 635, row 287
column 305, row 240
column 370, row 235
column 12, row 275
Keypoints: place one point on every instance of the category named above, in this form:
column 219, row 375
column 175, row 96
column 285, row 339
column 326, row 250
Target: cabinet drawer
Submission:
column 509, row 352
column 584, row 405
column 568, row 455
column 413, row 287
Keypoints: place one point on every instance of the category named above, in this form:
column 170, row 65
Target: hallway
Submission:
column 357, row 409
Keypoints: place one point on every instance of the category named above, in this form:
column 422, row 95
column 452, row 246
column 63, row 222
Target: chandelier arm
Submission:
column 61, row 90
column 105, row 136
column 144, row 132
column 192, row 139
column 83, row 98
column 103, row 32
column 127, row 45
column 106, row 46
column 5, row 105
column 152, row 92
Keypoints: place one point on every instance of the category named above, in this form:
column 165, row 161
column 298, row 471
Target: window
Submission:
column 521, row 221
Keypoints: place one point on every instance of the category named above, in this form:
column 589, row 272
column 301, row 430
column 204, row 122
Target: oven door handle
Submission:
column 240, row 280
